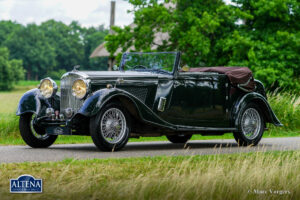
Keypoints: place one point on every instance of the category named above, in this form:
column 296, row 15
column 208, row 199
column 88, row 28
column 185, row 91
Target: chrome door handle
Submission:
column 119, row 81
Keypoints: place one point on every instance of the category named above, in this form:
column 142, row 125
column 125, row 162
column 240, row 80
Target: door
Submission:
column 197, row 99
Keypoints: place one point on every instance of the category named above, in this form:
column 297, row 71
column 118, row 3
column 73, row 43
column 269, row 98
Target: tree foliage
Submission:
column 261, row 34
column 11, row 71
column 52, row 47
column 31, row 45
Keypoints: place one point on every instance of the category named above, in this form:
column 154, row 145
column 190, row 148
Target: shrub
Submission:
column 11, row 71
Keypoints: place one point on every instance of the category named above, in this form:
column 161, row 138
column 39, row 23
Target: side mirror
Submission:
column 115, row 68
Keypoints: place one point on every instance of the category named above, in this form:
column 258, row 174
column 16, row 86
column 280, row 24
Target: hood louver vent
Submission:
column 138, row 92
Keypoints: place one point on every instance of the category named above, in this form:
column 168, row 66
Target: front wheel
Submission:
column 33, row 135
column 251, row 126
column 179, row 138
column 110, row 128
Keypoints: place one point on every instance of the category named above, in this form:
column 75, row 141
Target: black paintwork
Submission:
column 196, row 102
column 33, row 102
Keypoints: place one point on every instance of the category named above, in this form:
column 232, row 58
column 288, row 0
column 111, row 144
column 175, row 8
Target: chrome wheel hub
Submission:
column 251, row 123
column 113, row 125
column 35, row 133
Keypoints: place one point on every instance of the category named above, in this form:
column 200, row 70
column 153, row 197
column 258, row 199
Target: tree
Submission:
column 270, row 38
column 195, row 27
column 260, row 34
column 66, row 42
column 92, row 37
column 31, row 45
column 11, row 71
column 7, row 28
column 52, row 47
column 73, row 44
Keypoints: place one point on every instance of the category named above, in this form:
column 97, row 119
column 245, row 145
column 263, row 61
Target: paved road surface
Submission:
column 138, row 149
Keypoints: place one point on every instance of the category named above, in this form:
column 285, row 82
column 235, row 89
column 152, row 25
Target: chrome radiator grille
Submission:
column 67, row 100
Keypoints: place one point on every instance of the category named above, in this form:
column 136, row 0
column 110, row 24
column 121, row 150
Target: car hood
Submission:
column 117, row 74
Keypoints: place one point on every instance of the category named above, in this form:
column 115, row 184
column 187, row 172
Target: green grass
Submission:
column 28, row 83
column 32, row 83
column 285, row 105
column 234, row 176
column 287, row 108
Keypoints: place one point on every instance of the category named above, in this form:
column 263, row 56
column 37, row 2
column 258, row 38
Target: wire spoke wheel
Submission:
column 32, row 134
column 113, row 125
column 33, row 129
column 251, row 123
column 110, row 128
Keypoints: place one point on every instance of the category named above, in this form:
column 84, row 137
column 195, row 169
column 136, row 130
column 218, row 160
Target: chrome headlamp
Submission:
column 48, row 88
column 80, row 88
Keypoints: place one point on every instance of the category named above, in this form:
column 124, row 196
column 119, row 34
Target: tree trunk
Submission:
column 111, row 62
column 28, row 74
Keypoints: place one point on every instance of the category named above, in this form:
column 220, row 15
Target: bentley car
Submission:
column 149, row 94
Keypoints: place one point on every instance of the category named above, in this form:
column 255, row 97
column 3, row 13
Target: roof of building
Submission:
column 159, row 37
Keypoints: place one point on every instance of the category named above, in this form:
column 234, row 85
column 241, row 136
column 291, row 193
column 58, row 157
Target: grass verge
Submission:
column 271, row 175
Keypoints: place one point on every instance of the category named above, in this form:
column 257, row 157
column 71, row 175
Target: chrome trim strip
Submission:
column 182, row 128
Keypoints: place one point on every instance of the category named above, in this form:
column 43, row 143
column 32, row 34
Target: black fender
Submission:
column 93, row 104
column 260, row 88
column 33, row 102
column 259, row 100
column 29, row 102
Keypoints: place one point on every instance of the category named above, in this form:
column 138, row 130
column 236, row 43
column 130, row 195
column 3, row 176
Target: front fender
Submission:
column 33, row 102
column 94, row 104
column 29, row 102
column 259, row 100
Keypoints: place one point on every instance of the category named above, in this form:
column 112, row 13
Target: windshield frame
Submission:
column 175, row 65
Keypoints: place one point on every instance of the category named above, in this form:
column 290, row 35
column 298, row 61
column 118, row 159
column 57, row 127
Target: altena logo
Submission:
column 26, row 184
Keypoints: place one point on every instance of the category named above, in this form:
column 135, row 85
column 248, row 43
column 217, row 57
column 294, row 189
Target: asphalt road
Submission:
column 10, row 154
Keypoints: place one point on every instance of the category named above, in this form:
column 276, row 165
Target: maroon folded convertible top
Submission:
column 238, row 76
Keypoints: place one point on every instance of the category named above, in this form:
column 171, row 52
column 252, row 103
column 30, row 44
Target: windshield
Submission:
column 158, row 62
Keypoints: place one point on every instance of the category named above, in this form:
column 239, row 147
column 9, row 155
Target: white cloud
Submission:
column 5, row 7
column 87, row 12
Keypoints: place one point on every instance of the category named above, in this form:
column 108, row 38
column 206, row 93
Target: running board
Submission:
column 210, row 129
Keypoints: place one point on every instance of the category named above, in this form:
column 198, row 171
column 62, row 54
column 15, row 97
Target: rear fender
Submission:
column 259, row 100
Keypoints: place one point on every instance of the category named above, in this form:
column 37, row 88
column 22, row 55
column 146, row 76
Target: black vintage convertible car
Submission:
column 150, row 94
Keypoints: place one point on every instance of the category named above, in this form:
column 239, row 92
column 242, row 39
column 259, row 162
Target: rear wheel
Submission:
column 110, row 128
column 251, row 126
column 181, row 138
column 32, row 134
